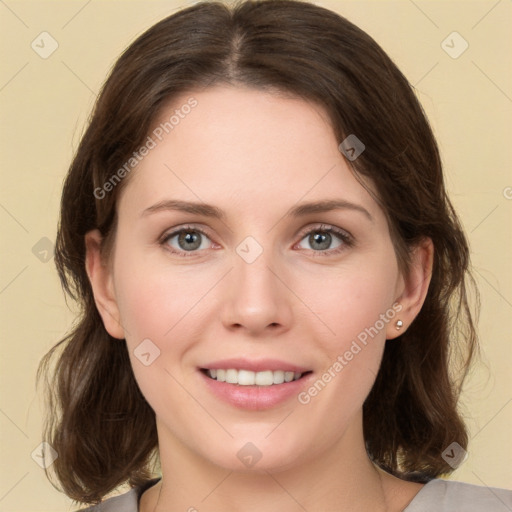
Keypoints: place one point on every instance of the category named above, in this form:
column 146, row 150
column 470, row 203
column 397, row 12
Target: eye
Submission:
column 322, row 240
column 186, row 240
column 326, row 239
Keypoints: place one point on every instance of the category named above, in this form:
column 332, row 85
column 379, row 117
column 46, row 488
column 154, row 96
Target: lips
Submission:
column 254, row 384
column 255, row 365
column 263, row 372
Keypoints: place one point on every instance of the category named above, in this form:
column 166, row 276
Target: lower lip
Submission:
column 255, row 398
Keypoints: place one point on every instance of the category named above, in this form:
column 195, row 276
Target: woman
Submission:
column 271, row 278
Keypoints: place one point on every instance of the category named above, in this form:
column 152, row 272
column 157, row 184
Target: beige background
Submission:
column 45, row 102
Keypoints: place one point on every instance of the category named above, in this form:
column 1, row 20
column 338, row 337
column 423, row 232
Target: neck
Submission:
column 337, row 478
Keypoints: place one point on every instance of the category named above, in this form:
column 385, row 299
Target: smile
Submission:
column 250, row 378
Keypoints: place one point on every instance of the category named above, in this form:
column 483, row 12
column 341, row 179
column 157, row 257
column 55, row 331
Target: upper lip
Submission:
column 254, row 365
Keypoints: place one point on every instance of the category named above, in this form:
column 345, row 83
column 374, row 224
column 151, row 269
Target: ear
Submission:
column 414, row 288
column 101, row 279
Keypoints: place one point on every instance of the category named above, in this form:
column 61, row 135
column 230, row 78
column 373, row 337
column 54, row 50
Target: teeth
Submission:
column 263, row 378
column 245, row 378
column 278, row 377
column 248, row 378
column 231, row 376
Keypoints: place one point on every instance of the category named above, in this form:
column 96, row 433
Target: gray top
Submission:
column 436, row 496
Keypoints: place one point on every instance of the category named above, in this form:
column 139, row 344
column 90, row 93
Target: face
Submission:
column 261, row 281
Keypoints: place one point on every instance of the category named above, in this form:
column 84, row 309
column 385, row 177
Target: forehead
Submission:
column 243, row 148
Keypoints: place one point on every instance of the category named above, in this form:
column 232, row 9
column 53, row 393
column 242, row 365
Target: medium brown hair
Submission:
column 98, row 421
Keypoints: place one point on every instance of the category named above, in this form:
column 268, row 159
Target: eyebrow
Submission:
column 300, row 210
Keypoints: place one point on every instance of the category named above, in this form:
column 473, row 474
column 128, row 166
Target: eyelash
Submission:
column 346, row 239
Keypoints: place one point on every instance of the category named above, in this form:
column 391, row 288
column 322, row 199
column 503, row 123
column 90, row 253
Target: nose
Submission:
column 257, row 301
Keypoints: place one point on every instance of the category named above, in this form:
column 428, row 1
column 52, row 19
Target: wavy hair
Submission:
column 98, row 421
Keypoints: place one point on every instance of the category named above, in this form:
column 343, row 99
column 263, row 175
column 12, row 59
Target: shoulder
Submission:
column 449, row 496
column 127, row 502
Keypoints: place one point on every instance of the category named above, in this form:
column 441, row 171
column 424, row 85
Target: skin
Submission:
column 255, row 155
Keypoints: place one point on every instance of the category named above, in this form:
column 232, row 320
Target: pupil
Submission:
column 191, row 238
column 323, row 240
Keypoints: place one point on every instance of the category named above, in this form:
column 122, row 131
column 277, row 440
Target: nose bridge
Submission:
column 252, row 275
column 256, row 297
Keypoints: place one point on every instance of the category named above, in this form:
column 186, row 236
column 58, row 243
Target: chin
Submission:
column 257, row 455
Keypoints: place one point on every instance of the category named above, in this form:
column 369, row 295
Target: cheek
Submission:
column 169, row 306
column 356, row 302
column 158, row 308
column 356, row 309
column 154, row 299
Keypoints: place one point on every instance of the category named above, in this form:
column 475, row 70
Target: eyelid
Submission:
column 185, row 227
column 342, row 233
